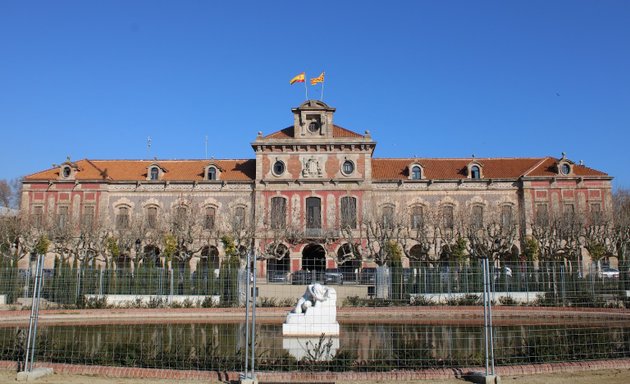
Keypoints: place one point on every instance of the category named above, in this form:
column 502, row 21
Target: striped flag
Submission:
column 318, row 79
column 298, row 79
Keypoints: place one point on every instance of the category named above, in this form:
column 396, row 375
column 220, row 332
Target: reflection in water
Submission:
column 359, row 346
column 311, row 348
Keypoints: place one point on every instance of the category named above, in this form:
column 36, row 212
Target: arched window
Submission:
column 447, row 216
column 155, row 173
column 388, row 217
column 278, row 213
column 475, row 172
column 122, row 218
column 152, row 217
column 416, row 173
column 417, row 217
column 212, row 173
column 477, row 216
column 208, row 222
column 348, row 212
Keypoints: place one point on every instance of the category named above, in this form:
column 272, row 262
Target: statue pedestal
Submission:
column 314, row 315
column 313, row 348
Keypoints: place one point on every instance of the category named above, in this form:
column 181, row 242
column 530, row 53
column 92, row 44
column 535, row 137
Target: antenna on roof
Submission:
column 148, row 147
column 206, row 147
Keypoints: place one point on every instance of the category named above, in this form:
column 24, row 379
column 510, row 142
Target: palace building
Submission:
column 312, row 197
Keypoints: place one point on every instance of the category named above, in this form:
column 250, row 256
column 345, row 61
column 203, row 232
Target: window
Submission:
column 152, row 217
column 239, row 217
column 417, row 217
column 87, row 221
column 596, row 213
column 475, row 172
column 348, row 167
column 62, row 217
column 278, row 168
column 278, row 213
column 314, row 124
column 122, row 218
column 348, row 212
column 447, row 216
column 212, row 173
column 542, row 214
column 568, row 212
column 416, row 173
column 313, row 213
column 565, row 169
column 388, row 217
column 180, row 217
column 506, row 216
column 38, row 215
column 477, row 216
column 155, row 173
column 66, row 171
column 209, row 218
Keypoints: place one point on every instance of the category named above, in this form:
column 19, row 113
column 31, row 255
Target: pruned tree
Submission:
column 382, row 226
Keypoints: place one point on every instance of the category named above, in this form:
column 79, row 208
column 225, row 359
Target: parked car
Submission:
column 608, row 273
column 277, row 277
column 368, row 276
column 333, row 276
column 301, row 277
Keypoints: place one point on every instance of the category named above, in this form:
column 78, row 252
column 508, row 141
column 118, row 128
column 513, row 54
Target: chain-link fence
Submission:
column 391, row 318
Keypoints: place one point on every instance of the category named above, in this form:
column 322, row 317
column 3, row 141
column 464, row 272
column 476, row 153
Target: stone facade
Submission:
column 311, row 192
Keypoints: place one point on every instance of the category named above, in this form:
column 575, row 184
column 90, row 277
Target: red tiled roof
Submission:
column 492, row 168
column 175, row 170
column 338, row 131
column 547, row 167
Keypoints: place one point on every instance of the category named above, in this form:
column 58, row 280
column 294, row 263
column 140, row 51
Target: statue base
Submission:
column 310, row 329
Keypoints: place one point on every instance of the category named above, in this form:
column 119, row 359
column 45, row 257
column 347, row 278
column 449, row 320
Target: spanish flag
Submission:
column 298, row 79
column 318, row 79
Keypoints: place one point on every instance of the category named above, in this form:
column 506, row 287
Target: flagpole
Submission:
column 323, row 89
column 305, row 87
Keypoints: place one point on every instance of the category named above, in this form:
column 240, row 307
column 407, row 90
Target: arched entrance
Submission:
column 314, row 258
column 152, row 255
column 209, row 258
column 349, row 262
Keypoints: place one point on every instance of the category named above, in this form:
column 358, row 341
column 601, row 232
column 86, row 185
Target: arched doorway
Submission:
column 314, row 258
column 152, row 255
column 418, row 255
column 209, row 258
column 349, row 262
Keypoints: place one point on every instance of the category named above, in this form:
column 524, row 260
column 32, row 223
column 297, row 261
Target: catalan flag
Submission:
column 298, row 79
column 318, row 79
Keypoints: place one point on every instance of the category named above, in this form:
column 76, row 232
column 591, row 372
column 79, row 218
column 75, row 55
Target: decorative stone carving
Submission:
column 315, row 313
column 311, row 168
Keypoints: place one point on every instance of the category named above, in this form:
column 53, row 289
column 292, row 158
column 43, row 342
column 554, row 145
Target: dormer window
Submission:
column 564, row 166
column 212, row 173
column 475, row 172
column 66, row 171
column 155, row 173
column 416, row 172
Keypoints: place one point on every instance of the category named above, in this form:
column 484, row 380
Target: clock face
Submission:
column 313, row 126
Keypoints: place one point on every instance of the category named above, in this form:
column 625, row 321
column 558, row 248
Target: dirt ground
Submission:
column 611, row 376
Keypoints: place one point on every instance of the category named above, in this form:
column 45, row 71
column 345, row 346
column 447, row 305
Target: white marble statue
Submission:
column 314, row 314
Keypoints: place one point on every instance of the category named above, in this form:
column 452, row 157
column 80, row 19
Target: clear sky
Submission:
column 91, row 79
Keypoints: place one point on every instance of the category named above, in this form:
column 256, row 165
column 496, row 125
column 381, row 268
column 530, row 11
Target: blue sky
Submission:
column 426, row 78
